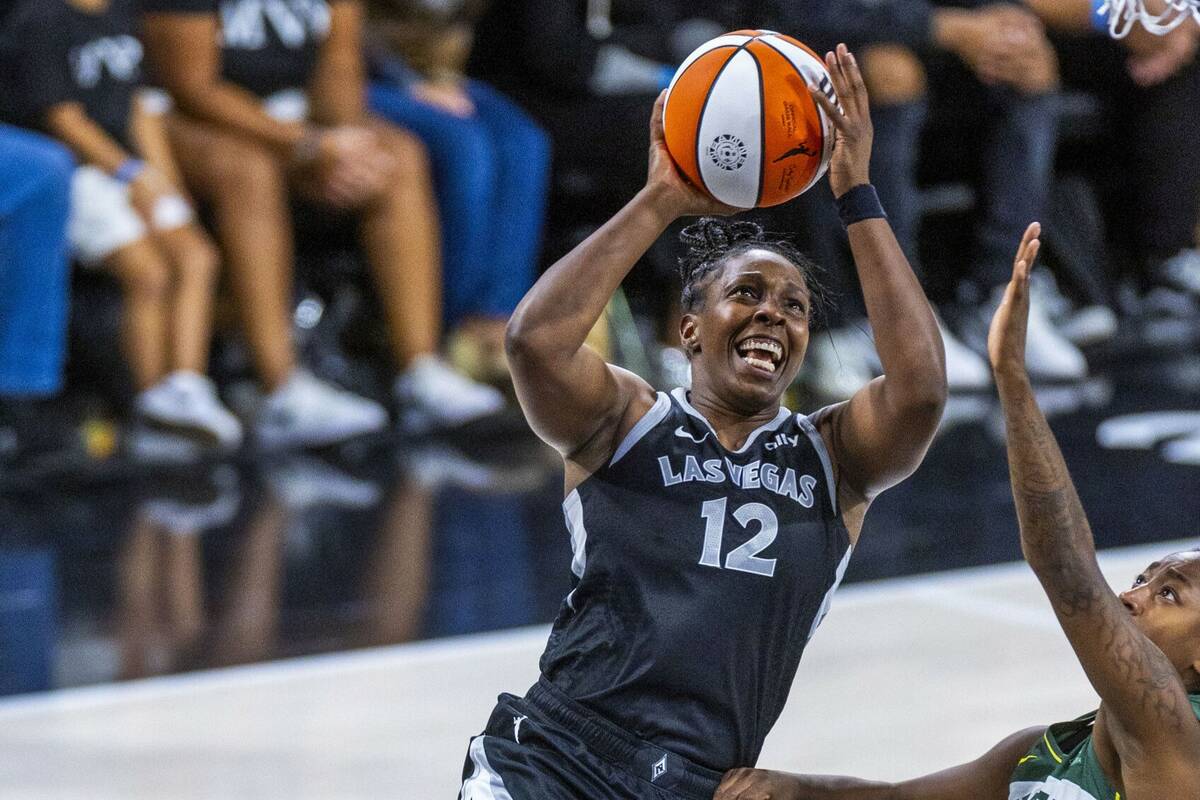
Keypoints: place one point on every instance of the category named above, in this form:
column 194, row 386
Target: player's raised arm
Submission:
column 1141, row 689
column 569, row 394
column 881, row 434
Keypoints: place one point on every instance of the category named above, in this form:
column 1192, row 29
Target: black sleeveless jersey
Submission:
column 701, row 574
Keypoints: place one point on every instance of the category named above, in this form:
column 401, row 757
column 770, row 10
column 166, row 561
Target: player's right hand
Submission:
column 758, row 784
column 677, row 196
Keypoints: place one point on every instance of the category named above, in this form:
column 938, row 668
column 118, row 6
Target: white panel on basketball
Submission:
column 815, row 74
column 720, row 41
column 729, row 142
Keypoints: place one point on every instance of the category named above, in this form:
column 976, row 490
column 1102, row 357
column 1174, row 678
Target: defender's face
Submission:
column 1165, row 603
column 749, row 339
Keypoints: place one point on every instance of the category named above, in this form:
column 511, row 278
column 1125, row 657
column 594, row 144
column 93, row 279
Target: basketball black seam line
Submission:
column 762, row 127
column 802, row 77
column 704, row 107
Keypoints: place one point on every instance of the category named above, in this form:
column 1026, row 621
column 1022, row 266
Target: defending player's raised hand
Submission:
column 1006, row 337
column 673, row 192
column 851, row 161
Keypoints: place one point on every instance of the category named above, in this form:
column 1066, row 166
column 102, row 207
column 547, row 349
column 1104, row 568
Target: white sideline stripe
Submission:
column 573, row 512
column 814, row 436
column 275, row 673
column 516, row 639
column 652, row 417
column 484, row 783
column 827, row 602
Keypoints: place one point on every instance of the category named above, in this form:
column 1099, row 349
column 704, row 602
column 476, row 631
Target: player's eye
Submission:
column 1167, row 593
column 1139, row 580
column 744, row 290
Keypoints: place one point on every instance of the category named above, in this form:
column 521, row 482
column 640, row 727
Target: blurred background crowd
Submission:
column 288, row 223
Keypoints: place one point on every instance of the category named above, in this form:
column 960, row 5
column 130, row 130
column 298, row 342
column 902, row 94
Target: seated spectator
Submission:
column 271, row 105
column 589, row 73
column 993, row 67
column 490, row 162
column 35, row 179
column 1149, row 89
column 74, row 67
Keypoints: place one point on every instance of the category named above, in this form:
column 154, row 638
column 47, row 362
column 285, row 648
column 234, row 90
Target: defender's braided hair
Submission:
column 711, row 241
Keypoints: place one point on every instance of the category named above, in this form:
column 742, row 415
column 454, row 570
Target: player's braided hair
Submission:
column 710, row 242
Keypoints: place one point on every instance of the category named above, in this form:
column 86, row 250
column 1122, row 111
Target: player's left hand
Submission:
column 758, row 784
column 1006, row 337
column 851, row 161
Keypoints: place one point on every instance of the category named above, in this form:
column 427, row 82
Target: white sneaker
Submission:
column 310, row 412
column 839, row 362
column 188, row 401
column 966, row 371
column 1048, row 354
column 1181, row 272
column 436, row 396
column 1080, row 326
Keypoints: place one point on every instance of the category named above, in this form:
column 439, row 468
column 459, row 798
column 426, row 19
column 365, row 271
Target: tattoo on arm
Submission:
column 1131, row 674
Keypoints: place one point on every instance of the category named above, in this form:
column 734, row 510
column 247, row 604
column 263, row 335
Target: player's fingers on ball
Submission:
column 833, row 112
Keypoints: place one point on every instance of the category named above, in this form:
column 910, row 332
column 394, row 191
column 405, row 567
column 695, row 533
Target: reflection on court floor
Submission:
column 906, row 676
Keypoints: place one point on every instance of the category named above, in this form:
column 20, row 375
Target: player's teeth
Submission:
column 758, row 362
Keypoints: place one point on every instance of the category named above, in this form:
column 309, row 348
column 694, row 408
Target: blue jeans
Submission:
column 491, row 172
column 35, row 178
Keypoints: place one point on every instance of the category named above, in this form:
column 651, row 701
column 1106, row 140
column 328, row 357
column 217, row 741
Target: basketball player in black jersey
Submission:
column 710, row 528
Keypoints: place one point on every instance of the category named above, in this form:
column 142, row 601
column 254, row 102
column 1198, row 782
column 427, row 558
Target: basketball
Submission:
column 739, row 120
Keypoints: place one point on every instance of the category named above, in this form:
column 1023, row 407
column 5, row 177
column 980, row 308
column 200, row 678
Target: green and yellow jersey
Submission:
column 1062, row 765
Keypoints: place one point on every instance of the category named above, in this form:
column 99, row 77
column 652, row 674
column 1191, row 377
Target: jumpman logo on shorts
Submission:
column 659, row 769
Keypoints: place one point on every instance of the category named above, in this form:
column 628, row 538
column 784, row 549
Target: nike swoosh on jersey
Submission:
column 684, row 434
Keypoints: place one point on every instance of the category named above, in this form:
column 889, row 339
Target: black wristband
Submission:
column 860, row 203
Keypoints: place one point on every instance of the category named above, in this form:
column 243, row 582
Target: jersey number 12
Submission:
column 744, row 558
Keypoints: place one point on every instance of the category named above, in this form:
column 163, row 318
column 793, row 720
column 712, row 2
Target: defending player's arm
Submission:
column 570, row 396
column 881, row 434
column 1141, row 689
column 985, row 778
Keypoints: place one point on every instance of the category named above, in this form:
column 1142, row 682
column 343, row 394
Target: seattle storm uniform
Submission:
column 1062, row 765
column 701, row 574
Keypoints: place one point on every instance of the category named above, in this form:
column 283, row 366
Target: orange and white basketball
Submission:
column 739, row 120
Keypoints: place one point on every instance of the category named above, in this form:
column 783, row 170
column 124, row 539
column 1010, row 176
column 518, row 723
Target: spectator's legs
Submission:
column 1164, row 128
column 145, row 317
column 1018, row 164
column 399, row 231
column 895, row 78
column 246, row 187
column 518, row 204
column 35, row 176
column 464, row 176
column 193, row 263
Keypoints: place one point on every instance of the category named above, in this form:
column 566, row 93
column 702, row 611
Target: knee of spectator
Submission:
column 197, row 261
column 247, row 167
column 893, row 74
column 144, row 272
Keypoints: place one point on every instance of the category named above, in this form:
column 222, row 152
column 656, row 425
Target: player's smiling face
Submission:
column 749, row 338
column 1165, row 603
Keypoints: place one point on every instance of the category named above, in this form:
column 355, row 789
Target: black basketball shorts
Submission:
column 545, row 746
